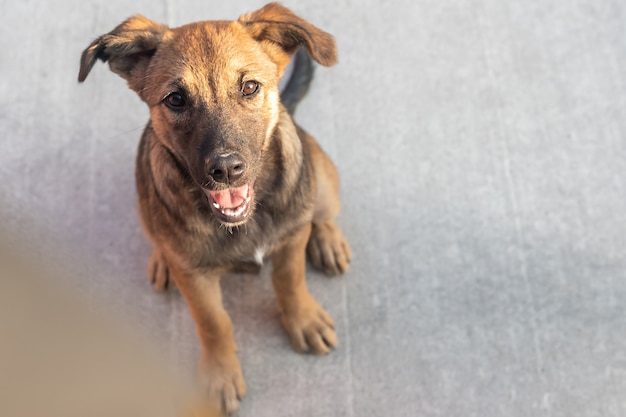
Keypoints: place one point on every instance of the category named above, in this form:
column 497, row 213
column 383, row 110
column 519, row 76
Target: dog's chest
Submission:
column 259, row 254
column 247, row 245
column 256, row 251
column 254, row 241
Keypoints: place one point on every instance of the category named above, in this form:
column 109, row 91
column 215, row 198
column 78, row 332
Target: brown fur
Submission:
column 294, row 184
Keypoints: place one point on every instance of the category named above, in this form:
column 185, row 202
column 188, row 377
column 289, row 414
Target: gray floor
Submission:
column 482, row 148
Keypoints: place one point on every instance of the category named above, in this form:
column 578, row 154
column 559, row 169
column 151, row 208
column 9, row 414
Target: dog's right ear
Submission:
column 128, row 48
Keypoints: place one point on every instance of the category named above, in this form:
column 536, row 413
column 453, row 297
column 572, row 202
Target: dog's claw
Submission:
column 224, row 384
column 328, row 249
column 311, row 329
column 159, row 273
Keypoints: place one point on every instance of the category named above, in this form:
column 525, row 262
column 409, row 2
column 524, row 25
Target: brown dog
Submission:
column 224, row 175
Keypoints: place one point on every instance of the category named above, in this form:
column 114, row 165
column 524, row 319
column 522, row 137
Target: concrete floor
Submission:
column 482, row 149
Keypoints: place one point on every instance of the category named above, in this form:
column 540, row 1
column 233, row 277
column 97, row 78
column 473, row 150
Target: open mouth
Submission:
column 233, row 205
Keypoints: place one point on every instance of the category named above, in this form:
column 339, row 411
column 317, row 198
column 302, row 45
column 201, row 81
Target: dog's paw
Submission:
column 159, row 273
column 223, row 383
column 310, row 328
column 328, row 249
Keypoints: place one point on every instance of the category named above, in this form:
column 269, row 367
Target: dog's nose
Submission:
column 226, row 168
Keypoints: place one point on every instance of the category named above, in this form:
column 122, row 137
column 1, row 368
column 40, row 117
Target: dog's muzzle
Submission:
column 233, row 205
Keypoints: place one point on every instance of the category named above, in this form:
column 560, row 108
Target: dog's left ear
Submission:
column 278, row 25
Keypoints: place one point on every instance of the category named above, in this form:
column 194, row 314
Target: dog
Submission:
column 225, row 178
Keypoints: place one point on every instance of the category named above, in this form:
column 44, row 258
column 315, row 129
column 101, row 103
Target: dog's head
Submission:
column 212, row 89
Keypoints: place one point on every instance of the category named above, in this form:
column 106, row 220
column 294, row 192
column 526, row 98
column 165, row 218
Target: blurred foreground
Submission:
column 63, row 358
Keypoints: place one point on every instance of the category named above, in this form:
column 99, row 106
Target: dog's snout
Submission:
column 226, row 169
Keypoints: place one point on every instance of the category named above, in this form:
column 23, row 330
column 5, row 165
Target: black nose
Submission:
column 226, row 168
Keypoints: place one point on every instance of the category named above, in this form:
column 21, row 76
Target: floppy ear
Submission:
column 128, row 48
column 277, row 24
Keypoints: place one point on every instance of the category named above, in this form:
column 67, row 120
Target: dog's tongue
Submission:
column 231, row 198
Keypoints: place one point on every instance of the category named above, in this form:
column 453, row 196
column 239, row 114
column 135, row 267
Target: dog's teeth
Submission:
column 234, row 212
column 217, row 206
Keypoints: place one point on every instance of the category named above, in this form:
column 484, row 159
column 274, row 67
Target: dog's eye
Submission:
column 175, row 101
column 249, row 88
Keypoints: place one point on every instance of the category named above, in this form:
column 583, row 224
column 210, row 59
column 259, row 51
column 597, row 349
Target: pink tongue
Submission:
column 231, row 198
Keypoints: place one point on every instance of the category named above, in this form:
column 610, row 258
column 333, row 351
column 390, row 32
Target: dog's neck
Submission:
column 291, row 148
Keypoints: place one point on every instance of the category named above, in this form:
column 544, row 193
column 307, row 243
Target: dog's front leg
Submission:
column 309, row 326
column 219, row 371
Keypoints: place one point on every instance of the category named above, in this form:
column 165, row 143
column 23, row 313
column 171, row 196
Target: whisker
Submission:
column 125, row 132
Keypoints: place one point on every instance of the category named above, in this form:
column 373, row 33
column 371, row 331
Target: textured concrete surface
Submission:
column 482, row 150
